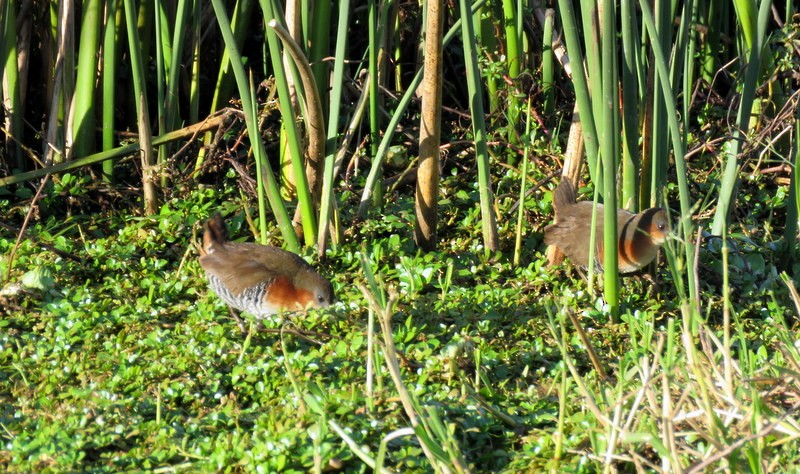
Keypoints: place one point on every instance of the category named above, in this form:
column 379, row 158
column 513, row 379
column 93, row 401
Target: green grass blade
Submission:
column 488, row 218
column 315, row 133
column 609, row 136
column 249, row 108
column 109, row 80
column 305, row 202
column 143, row 115
column 327, row 201
column 678, row 150
column 629, row 72
column 84, row 121
column 582, row 97
column 733, row 147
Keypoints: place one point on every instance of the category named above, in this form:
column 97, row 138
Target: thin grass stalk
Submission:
column 372, row 58
column 681, row 71
column 712, row 20
column 732, row 148
column 385, row 24
column 485, row 24
column 793, row 199
column 678, row 150
column 84, row 101
column 548, row 91
column 382, row 449
column 591, row 18
column 659, row 152
column 726, row 317
column 370, row 370
column 591, row 12
column 519, row 24
column 318, row 37
column 513, row 63
column 4, row 46
column 400, row 109
column 427, row 189
column 242, row 14
column 259, row 154
column 305, row 201
column 287, row 366
column 289, row 11
column 316, row 437
column 145, row 25
column 610, row 239
column 315, row 131
column 630, row 66
column 523, row 181
column 397, row 50
column 140, row 93
column 580, row 85
column 593, row 232
column 356, row 448
column 690, row 53
column 694, row 365
column 670, row 460
column 10, row 86
column 373, row 375
column 558, row 435
column 444, row 437
column 610, row 151
column 561, row 338
column 110, row 41
column 55, row 148
column 194, row 81
column 488, row 218
column 163, row 53
column 327, row 202
column 176, row 62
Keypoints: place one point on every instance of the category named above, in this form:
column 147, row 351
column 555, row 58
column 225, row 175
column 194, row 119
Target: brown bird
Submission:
column 639, row 235
column 261, row 280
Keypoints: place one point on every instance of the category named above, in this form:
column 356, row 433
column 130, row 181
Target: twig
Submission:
column 589, row 348
column 24, row 226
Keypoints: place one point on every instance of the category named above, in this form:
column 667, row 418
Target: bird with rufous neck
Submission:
column 259, row 279
column 639, row 236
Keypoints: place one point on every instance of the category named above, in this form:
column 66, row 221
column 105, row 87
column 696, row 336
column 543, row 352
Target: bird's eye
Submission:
column 320, row 299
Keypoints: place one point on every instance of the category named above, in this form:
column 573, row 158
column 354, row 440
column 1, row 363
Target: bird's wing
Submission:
column 240, row 265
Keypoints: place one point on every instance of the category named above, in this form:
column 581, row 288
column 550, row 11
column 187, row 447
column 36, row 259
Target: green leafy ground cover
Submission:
column 116, row 357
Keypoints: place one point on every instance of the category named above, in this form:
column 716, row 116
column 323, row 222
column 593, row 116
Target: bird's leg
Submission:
column 238, row 320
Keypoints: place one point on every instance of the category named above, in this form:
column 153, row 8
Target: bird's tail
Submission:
column 565, row 194
column 215, row 234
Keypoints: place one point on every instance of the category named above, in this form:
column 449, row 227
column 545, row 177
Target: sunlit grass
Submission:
column 124, row 360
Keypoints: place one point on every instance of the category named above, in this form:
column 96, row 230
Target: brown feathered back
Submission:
column 236, row 270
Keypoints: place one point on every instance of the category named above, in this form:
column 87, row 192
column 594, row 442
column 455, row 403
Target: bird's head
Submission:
column 656, row 223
